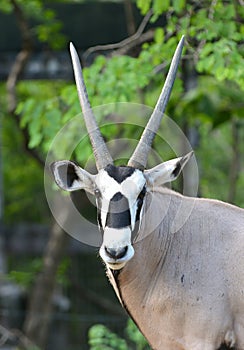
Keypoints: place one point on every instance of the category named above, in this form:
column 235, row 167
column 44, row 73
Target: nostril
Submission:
column 116, row 253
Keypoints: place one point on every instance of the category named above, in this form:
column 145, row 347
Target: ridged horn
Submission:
column 139, row 157
column 100, row 150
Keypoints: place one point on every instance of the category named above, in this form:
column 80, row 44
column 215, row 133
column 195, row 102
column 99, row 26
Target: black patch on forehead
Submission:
column 119, row 173
column 118, row 213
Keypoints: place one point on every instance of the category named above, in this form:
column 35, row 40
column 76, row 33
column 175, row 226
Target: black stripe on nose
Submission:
column 118, row 213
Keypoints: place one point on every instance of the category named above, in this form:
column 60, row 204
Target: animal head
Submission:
column 119, row 190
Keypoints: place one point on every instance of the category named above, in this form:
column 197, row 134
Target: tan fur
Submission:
column 185, row 288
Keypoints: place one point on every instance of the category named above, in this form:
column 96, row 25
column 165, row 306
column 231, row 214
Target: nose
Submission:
column 116, row 253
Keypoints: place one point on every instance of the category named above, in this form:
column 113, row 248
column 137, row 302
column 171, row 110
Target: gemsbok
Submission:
column 181, row 281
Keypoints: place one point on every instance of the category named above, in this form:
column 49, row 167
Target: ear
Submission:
column 70, row 177
column 167, row 171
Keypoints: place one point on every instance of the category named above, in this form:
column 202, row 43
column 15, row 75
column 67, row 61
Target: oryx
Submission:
column 181, row 281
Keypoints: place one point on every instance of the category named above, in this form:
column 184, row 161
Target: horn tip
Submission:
column 182, row 41
column 71, row 46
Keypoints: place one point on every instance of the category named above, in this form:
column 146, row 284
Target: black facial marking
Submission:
column 226, row 347
column 118, row 213
column 140, row 199
column 119, row 173
column 177, row 169
column 99, row 219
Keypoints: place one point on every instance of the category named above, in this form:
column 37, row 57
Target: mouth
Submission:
column 116, row 263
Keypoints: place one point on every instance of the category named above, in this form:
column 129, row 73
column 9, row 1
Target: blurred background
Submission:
column 53, row 290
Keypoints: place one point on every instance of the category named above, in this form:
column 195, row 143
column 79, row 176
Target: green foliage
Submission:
column 222, row 54
column 23, row 179
column 160, row 6
column 27, row 270
column 62, row 273
column 215, row 143
column 214, row 32
column 224, row 59
column 47, row 28
column 135, row 336
column 41, row 113
column 100, row 337
column 26, row 273
column 144, row 5
column 210, row 102
column 117, row 79
column 6, row 7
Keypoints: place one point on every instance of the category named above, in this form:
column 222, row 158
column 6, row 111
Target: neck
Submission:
column 170, row 281
column 135, row 284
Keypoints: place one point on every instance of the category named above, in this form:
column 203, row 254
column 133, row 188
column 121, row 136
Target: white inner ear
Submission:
column 167, row 171
column 70, row 177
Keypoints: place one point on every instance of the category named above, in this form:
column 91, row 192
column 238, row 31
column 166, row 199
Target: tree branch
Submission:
column 15, row 73
column 128, row 41
column 130, row 22
column 147, row 36
column 16, row 336
column 21, row 58
column 40, row 307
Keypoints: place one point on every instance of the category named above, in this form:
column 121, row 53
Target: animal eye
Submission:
column 97, row 192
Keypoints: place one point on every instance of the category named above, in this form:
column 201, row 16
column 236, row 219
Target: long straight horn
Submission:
column 140, row 155
column 100, row 150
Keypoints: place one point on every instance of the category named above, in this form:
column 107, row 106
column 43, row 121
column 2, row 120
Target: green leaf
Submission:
column 160, row 6
column 143, row 5
column 178, row 5
column 135, row 335
column 159, row 35
column 100, row 337
column 6, row 6
column 36, row 138
column 26, row 108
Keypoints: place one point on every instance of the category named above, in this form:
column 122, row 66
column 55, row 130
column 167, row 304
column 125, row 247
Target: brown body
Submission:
column 185, row 289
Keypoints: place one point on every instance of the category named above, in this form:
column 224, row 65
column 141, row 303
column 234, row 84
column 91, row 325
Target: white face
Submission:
column 119, row 195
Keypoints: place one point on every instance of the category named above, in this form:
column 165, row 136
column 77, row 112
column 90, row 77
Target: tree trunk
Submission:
column 130, row 22
column 235, row 163
column 2, row 250
column 40, row 304
column 38, row 317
